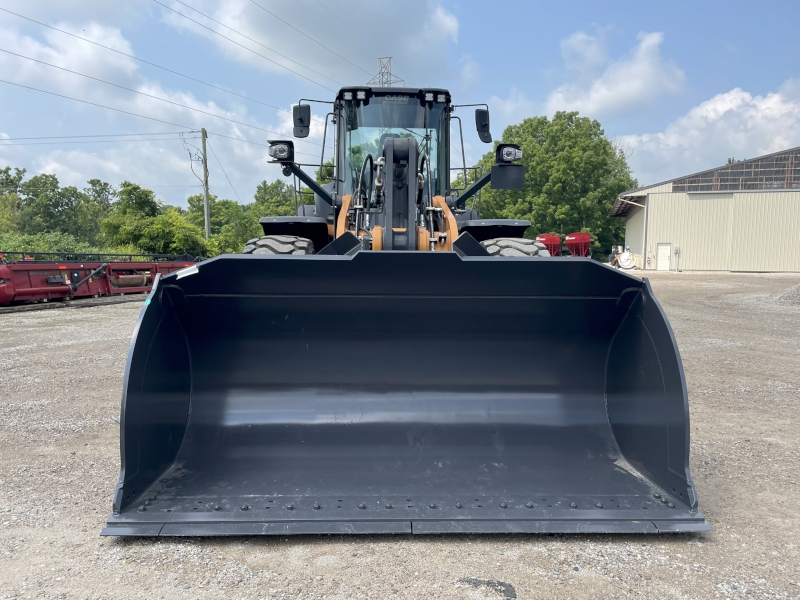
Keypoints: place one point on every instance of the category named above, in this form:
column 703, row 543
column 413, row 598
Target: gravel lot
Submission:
column 60, row 382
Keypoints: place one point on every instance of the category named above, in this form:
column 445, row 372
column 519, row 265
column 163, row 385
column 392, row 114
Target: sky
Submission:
column 679, row 86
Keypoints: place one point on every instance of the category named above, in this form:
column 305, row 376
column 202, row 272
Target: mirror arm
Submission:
column 473, row 189
column 454, row 106
column 305, row 178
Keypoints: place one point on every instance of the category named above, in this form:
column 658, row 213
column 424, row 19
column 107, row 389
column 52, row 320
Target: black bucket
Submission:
column 403, row 392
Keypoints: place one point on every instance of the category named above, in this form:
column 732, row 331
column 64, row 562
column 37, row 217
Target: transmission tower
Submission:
column 384, row 78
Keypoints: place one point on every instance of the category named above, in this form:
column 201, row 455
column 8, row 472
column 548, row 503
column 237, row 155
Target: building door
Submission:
column 663, row 252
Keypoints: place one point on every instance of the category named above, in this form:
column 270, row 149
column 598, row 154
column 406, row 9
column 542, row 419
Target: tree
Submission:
column 10, row 209
column 11, row 184
column 573, row 174
column 133, row 198
column 325, row 173
column 101, row 193
column 41, row 204
column 273, row 199
column 231, row 223
column 171, row 233
column 10, row 201
column 136, row 218
column 221, row 212
column 235, row 233
column 97, row 200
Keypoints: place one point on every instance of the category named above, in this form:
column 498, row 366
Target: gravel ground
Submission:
column 60, row 381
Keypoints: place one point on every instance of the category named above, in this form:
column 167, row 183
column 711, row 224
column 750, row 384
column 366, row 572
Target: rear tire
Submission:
column 279, row 244
column 514, row 247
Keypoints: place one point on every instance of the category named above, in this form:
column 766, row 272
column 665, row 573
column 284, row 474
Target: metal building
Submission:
column 744, row 216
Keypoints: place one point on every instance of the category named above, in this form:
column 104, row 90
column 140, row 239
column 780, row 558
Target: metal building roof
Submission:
column 776, row 171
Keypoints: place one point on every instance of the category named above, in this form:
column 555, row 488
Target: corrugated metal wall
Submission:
column 749, row 231
column 766, row 232
column 634, row 230
column 699, row 224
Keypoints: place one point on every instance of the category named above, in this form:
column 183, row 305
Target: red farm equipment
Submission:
column 579, row 244
column 552, row 242
column 40, row 277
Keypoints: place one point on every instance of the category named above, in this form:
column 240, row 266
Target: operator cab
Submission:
column 391, row 185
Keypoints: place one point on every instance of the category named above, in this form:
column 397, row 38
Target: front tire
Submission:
column 514, row 247
column 279, row 244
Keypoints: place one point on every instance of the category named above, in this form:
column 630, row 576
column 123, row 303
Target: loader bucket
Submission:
column 403, row 392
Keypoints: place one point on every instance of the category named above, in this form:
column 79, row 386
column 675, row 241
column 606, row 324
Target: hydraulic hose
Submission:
column 357, row 195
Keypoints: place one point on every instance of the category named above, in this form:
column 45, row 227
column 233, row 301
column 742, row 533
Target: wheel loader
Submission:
column 388, row 361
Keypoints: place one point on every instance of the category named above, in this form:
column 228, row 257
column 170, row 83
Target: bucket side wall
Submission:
column 647, row 400
column 156, row 399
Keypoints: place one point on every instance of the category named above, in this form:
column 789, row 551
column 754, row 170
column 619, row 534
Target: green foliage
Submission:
column 234, row 234
column 231, row 223
column 38, row 215
column 171, row 233
column 573, row 174
column 10, row 210
column 40, row 205
column 273, row 200
column 47, row 242
column 137, row 219
column 134, row 199
column 10, row 184
column 325, row 173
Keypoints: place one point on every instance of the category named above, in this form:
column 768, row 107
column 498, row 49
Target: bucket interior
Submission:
column 357, row 406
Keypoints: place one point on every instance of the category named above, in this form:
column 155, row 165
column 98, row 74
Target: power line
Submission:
column 211, row 85
column 91, row 142
column 122, row 87
column 254, row 143
column 370, row 45
column 256, row 41
column 224, row 173
column 127, row 112
column 242, row 46
column 59, row 137
column 305, row 34
column 50, row 189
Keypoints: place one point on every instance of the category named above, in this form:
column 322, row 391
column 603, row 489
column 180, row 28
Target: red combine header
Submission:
column 43, row 276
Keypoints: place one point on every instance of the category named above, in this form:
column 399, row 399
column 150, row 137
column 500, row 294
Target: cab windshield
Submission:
column 393, row 115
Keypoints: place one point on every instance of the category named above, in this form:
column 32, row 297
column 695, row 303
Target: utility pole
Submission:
column 207, row 210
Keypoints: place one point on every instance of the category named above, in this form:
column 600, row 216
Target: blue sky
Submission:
column 679, row 86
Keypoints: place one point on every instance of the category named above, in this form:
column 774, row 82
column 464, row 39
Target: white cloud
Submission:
column 632, row 82
column 150, row 163
column 735, row 123
column 510, row 110
column 442, row 23
column 423, row 35
column 584, row 54
column 349, row 36
column 469, row 73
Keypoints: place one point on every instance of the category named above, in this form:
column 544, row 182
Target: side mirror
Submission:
column 301, row 114
column 482, row 125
